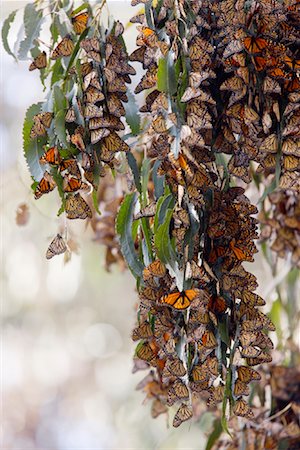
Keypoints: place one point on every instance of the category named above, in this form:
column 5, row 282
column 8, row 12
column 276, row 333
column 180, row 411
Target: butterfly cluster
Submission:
column 199, row 323
column 81, row 146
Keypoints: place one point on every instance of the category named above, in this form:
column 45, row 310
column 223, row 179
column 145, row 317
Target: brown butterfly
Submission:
column 39, row 62
column 56, row 247
column 177, row 391
column 40, row 123
column 77, row 207
column 143, row 331
column 183, row 414
column 64, row 48
column 145, row 352
column 242, row 409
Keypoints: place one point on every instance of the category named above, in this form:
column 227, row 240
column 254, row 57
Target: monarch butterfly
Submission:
column 146, row 36
column 156, row 268
column 270, row 144
column 71, row 166
column 250, row 352
column 212, row 364
column 115, row 106
column 158, row 408
column 178, row 391
column 291, row 147
column 183, row 414
column 233, row 47
column 148, row 211
column 77, row 207
column 93, row 95
column 40, row 123
column 291, row 162
column 240, row 388
column 293, row 63
column 232, row 84
column 208, row 340
column 114, row 143
column 259, row 62
column 180, row 300
column 92, row 111
column 89, row 44
column 56, row 247
column 247, row 338
column 216, row 395
column 217, row 304
column 145, row 352
column 78, row 141
column 216, row 253
column 242, row 409
column 97, row 135
column 271, row 86
column 47, row 184
column 247, row 374
column 79, row 22
column 254, row 44
column 73, row 184
column 143, row 331
column 175, row 367
column 148, row 80
column 292, row 84
column 70, row 115
column 51, row 156
column 39, row 62
column 200, row 373
column 64, row 48
column 239, row 253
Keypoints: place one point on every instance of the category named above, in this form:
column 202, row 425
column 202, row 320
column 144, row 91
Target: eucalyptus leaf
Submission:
column 124, row 231
column 132, row 114
column 33, row 20
column 134, row 169
column 33, row 148
column 60, row 128
column 5, row 30
column 162, row 241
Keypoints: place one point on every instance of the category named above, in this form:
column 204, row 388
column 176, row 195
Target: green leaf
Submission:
column 80, row 8
column 57, row 72
column 5, row 30
column 145, row 172
column 60, row 128
column 158, row 180
column 33, row 148
column 95, row 202
column 163, row 242
column 124, row 230
column 75, row 51
column 166, row 78
column 214, row 436
column 60, row 101
column 162, row 206
column 59, row 181
column 132, row 114
column 33, row 20
column 134, row 169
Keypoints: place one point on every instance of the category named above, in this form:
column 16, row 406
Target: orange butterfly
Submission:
column 255, row 44
column 46, row 185
column 293, row 63
column 240, row 255
column 51, row 156
column 79, row 22
column 180, row 300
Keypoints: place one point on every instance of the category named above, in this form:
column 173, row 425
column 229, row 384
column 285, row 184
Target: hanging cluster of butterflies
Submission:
column 281, row 225
column 95, row 71
column 182, row 318
column 260, row 87
column 283, row 383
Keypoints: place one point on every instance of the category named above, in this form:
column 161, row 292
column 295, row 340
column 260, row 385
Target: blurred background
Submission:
column 66, row 368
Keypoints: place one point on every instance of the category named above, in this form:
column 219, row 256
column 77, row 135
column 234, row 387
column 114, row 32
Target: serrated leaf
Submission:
column 166, row 78
column 60, row 128
column 60, row 101
column 33, row 148
column 215, row 434
column 134, row 169
column 33, row 20
column 132, row 114
column 163, row 204
column 5, row 30
column 124, row 231
column 162, row 241
column 158, row 180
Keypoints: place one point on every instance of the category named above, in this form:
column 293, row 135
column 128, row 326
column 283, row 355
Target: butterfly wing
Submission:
column 79, row 22
column 56, row 247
